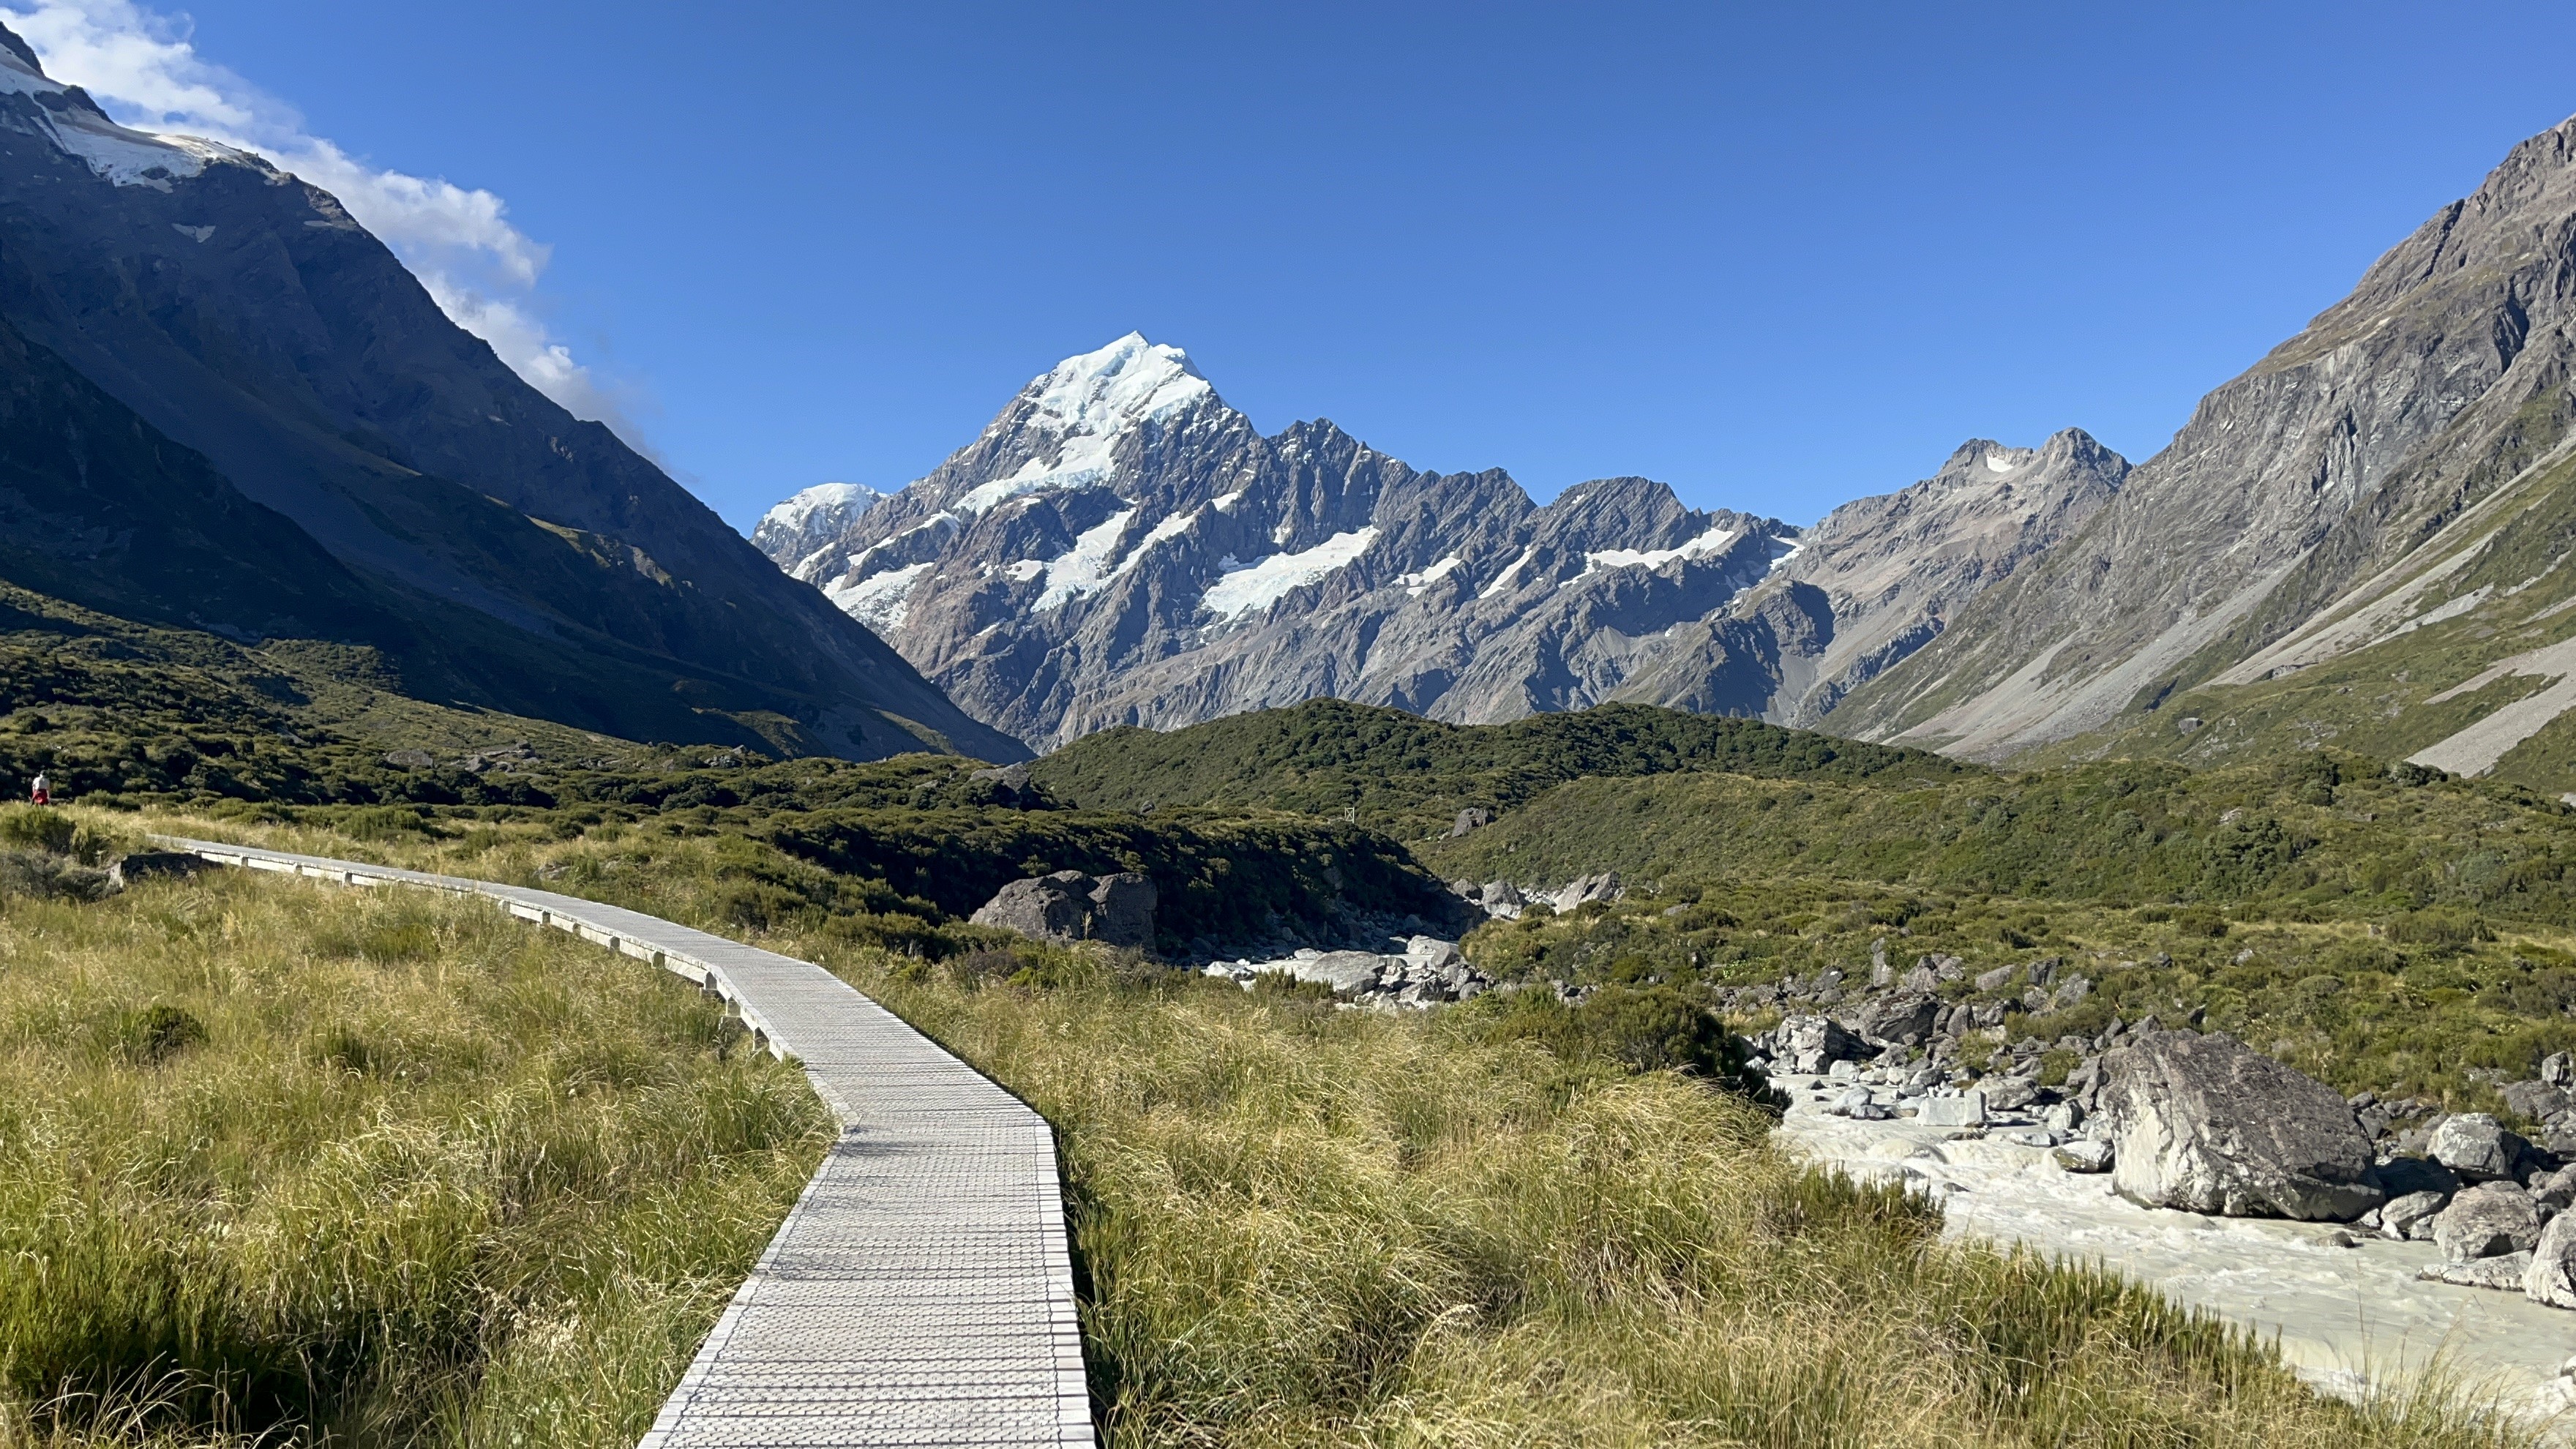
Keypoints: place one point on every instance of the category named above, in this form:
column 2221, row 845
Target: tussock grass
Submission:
column 283, row 1162
column 1301, row 1226
column 1297, row 1226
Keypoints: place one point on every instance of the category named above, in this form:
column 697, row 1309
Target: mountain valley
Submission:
column 2358, row 540
column 1595, row 971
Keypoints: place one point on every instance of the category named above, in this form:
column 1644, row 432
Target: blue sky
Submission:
column 1778, row 256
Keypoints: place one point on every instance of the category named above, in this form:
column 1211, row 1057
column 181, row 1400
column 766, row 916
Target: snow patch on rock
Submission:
column 1248, row 588
column 1503, row 580
column 1416, row 584
column 1716, row 540
column 1083, row 569
column 880, row 601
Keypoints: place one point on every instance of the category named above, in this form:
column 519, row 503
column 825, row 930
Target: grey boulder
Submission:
column 2084, row 1154
column 2505, row 1272
column 2205, row 1124
column 1344, row 971
column 2486, row 1221
column 2551, row 1278
column 1889, row 1020
column 1122, row 910
column 1812, row 1044
column 2478, row 1147
column 2010, row 1094
column 2411, row 1216
column 2557, row 1190
column 2538, row 1101
column 1584, row 890
column 1968, row 1109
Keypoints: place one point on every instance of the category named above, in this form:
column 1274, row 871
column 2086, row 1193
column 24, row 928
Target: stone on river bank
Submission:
column 2487, row 1221
column 2478, row 1148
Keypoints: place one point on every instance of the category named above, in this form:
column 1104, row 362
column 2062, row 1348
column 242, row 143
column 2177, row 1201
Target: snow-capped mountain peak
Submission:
column 1120, row 546
column 844, row 501
column 813, row 518
column 67, row 117
column 1110, row 390
column 1065, row 427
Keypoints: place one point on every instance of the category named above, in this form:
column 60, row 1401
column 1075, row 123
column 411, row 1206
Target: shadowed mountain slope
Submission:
column 246, row 318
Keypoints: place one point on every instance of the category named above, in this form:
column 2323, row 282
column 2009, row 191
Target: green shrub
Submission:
column 1642, row 1028
column 2438, row 927
column 32, row 827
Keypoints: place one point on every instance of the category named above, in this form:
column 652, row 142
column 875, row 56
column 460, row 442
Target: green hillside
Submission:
column 1410, row 776
column 2318, row 832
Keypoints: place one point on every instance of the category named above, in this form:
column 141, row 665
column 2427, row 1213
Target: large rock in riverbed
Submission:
column 2204, row 1124
column 1812, row 1044
column 1343, row 971
column 2551, row 1278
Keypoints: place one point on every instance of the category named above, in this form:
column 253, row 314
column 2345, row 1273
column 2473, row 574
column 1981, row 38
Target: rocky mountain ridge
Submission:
column 2357, row 539
column 1121, row 547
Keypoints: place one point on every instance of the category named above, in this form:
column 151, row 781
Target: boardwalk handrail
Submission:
column 921, row 1291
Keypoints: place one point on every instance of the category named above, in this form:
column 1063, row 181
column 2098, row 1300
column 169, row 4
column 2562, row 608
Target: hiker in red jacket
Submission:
column 42, row 792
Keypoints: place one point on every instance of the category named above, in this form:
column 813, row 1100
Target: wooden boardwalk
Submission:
column 920, row 1293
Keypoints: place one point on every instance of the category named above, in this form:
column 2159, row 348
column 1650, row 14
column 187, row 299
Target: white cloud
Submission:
column 142, row 67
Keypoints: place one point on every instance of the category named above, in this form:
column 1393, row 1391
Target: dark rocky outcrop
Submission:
column 1068, row 906
column 2206, row 1124
column 143, row 865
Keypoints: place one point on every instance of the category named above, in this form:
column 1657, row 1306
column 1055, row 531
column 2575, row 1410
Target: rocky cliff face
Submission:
column 1121, row 547
column 546, row 569
column 2353, row 488
column 1880, row 578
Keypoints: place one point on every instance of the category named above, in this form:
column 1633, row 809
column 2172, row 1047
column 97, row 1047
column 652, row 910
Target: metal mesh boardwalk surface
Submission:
column 920, row 1292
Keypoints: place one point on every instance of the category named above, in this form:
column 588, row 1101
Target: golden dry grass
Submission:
column 287, row 1160
column 1298, row 1226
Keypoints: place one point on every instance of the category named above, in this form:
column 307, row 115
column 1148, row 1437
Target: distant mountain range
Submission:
column 224, row 405
column 1122, row 547
column 2359, row 541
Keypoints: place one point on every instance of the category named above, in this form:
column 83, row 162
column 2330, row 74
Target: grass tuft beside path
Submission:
column 287, row 1160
